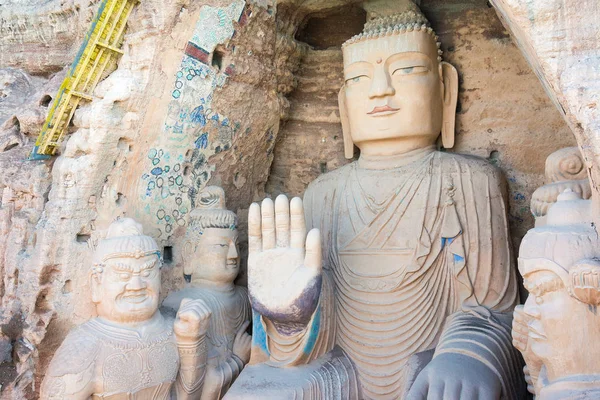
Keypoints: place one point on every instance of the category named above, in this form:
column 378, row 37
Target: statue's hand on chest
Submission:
column 284, row 263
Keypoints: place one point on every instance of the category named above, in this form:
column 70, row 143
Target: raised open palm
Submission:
column 284, row 263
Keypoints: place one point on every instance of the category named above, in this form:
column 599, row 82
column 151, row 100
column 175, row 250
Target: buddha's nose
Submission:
column 381, row 85
column 232, row 254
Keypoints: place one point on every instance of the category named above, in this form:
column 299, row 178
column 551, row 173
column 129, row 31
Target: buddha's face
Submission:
column 394, row 88
column 562, row 329
column 214, row 257
column 128, row 289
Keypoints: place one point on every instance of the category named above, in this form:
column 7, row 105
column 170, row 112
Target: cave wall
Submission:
column 239, row 94
column 193, row 102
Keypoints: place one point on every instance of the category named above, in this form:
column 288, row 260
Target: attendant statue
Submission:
column 404, row 286
column 210, row 256
column 130, row 351
column 565, row 169
column 557, row 329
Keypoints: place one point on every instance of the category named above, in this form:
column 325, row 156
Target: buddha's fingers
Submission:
column 254, row 235
column 282, row 220
column 267, row 210
column 298, row 225
column 312, row 258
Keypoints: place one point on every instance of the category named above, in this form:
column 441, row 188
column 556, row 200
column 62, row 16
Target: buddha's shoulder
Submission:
column 77, row 352
column 330, row 180
column 467, row 164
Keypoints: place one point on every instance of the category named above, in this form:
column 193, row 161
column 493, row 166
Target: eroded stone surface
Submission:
column 99, row 173
column 563, row 50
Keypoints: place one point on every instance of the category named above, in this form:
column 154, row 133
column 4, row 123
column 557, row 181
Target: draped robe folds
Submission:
column 415, row 258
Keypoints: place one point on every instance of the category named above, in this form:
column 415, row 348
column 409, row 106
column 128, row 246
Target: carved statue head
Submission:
column 125, row 278
column 210, row 248
column 562, row 274
column 396, row 86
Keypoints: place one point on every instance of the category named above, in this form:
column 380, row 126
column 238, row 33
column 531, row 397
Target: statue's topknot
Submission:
column 407, row 21
column 211, row 212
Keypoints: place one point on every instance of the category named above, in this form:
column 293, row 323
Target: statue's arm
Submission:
column 481, row 329
column 71, row 372
column 192, row 370
column 191, row 325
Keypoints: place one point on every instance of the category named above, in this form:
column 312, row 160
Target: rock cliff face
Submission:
column 560, row 40
column 238, row 94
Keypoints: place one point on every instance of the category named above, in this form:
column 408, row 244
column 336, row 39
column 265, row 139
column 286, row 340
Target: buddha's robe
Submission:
column 98, row 360
column 230, row 309
column 415, row 257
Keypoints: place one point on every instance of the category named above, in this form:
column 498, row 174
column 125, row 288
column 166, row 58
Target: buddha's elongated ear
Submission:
column 348, row 143
column 186, row 254
column 450, row 96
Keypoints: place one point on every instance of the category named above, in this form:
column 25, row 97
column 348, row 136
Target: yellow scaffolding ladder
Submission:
column 96, row 58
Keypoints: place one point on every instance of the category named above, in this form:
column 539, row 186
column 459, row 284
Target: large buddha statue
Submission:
column 404, row 285
column 130, row 351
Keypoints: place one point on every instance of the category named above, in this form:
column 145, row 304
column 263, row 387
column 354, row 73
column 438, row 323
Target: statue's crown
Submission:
column 125, row 239
column 396, row 24
column 566, row 246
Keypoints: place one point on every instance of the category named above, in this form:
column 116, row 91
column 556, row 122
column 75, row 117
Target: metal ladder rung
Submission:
column 81, row 95
column 111, row 48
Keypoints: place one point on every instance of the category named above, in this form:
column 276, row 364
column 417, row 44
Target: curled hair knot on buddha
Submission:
column 211, row 212
column 407, row 21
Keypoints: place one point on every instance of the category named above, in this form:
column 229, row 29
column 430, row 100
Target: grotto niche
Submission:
column 241, row 95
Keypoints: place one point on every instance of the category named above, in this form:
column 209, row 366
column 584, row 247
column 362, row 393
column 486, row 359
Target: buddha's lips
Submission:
column 379, row 109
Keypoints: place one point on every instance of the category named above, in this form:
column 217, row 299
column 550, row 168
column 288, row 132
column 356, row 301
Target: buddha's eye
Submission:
column 356, row 79
column 415, row 69
column 145, row 273
column 124, row 276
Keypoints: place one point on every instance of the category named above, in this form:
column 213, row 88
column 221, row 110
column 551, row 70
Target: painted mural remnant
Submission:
column 192, row 131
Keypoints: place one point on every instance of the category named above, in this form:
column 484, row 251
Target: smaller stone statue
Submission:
column 130, row 351
column 557, row 329
column 565, row 169
column 210, row 256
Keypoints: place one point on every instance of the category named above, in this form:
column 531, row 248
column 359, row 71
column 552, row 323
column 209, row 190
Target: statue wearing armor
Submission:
column 130, row 351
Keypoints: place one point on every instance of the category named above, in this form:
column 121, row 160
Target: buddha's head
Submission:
column 125, row 278
column 396, row 87
column 562, row 274
column 210, row 248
